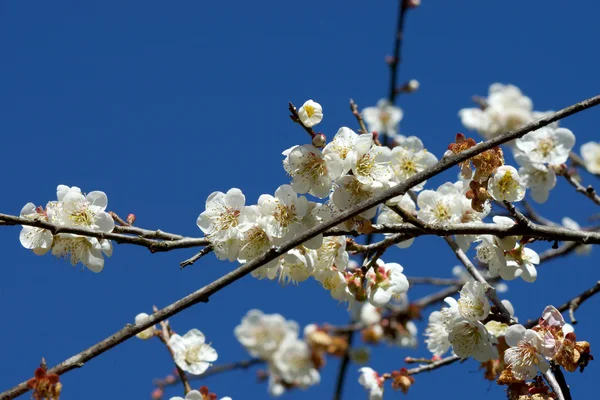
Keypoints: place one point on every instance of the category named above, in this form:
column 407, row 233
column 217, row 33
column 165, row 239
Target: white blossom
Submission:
column 473, row 304
column 190, row 352
column 385, row 281
column 335, row 282
column 521, row 261
column 443, row 206
column 547, row 145
column 525, row 354
column 311, row 113
column 80, row 249
column 408, row 158
column 254, row 240
column 437, row 335
column 297, row 265
column 506, row 185
column 332, row 253
column 284, row 212
column 471, row 339
column 590, row 152
column 145, row 334
column 342, row 145
column 84, row 211
column 384, row 118
column 371, row 163
column 37, row 239
column 262, row 334
column 224, row 212
column 372, row 382
column 292, row 362
column 539, row 179
column 506, row 109
column 311, row 171
column 350, row 191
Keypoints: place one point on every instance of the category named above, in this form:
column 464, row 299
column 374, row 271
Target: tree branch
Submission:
column 434, row 365
column 203, row 294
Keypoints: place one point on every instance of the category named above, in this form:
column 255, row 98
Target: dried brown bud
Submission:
column 401, row 380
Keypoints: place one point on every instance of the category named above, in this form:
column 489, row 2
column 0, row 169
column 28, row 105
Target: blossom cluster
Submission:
column 72, row 209
column 292, row 362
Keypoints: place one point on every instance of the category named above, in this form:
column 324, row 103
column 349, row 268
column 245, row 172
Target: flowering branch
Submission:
column 203, row 294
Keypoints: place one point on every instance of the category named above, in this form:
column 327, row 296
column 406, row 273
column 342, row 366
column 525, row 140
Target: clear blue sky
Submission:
column 159, row 104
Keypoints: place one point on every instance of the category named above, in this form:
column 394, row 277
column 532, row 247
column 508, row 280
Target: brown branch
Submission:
column 164, row 335
column 571, row 305
column 408, row 230
column 589, row 191
column 394, row 62
column 296, row 118
column 215, row 370
column 203, row 294
column 434, row 365
column 153, row 245
column 359, row 118
column 196, row 257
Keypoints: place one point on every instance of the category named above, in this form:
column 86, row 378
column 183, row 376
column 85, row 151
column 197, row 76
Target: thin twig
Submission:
column 427, row 280
column 164, row 336
column 196, row 257
column 296, row 118
column 203, row 294
column 359, row 118
column 571, row 305
column 589, row 191
column 434, row 365
column 214, row 370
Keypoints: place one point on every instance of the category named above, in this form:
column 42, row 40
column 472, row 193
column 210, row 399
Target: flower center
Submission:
column 284, row 215
column 315, row 166
column 192, row 355
column 310, row 110
column 228, row 219
column 441, row 212
column 507, row 184
column 545, row 146
column 365, row 165
column 82, row 217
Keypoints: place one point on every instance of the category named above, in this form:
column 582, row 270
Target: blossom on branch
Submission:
column 191, row 353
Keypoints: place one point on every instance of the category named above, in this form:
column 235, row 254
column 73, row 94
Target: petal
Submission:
column 235, row 199
column 514, row 334
column 195, row 335
column 98, row 199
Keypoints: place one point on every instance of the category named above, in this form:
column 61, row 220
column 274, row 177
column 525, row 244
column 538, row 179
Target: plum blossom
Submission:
column 196, row 395
column 385, row 281
column 525, row 355
column 38, row 240
column 521, row 261
column 191, row 353
column 254, row 240
column 284, row 212
column 505, row 109
column 371, row 163
column 311, row 171
column 539, row 179
column 437, row 335
column 311, row 113
column 384, row 118
column 506, row 185
column 473, row 305
column 408, row 158
column 547, row 145
column 292, row 363
column 332, row 253
column 224, row 212
column 471, row 339
column 372, row 382
column 443, row 206
column 83, row 211
column 342, row 145
column 350, row 191
column 262, row 334
column 82, row 249
column 590, row 152
column 145, row 334
column 297, row 265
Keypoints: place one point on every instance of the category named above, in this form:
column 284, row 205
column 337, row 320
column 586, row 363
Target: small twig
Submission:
column 589, row 191
column 516, row 214
column 196, row 257
column 571, row 305
column 118, row 219
column 296, row 118
column 434, row 365
column 415, row 280
column 214, row 370
column 359, row 118
column 164, row 336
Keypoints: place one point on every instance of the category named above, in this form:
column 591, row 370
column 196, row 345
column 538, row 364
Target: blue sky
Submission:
column 159, row 105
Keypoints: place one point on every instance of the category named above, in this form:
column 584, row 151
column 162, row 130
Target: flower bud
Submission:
column 319, row 140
